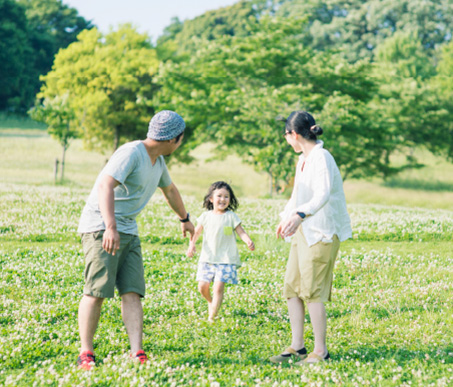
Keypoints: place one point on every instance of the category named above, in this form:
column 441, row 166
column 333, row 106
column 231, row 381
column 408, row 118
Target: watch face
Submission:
column 301, row 214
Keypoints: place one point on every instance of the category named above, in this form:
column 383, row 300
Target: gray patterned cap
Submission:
column 165, row 125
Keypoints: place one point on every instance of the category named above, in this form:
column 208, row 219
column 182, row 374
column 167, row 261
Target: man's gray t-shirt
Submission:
column 131, row 166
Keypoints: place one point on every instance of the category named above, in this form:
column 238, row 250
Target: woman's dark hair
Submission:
column 232, row 206
column 302, row 123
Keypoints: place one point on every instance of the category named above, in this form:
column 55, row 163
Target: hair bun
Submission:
column 316, row 130
column 280, row 118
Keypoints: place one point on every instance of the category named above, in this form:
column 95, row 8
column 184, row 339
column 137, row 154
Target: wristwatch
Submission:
column 185, row 220
column 301, row 214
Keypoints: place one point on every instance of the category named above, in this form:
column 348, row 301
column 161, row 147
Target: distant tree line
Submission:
column 377, row 74
column 31, row 33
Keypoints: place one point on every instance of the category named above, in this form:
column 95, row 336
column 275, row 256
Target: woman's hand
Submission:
column 288, row 227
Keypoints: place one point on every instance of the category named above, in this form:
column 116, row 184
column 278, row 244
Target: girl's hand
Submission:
column 289, row 227
column 250, row 245
column 191, row 251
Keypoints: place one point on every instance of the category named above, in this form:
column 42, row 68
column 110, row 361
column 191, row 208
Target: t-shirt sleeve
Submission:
column 202, row 219
column 165, row 179
column 236, row 220
column 121, row 164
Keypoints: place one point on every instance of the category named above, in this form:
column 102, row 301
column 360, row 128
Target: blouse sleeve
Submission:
column 321, row 186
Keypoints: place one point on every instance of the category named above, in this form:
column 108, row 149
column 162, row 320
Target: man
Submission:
column 110, row 235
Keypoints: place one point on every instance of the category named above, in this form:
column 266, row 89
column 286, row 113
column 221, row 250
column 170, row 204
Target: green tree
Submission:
column 442, row 94
column 15, row 56
column 231, row 90
column 239, row 19
column 407, row 102
column 357, row 27
column 109, row 80
column 31, row 33
column 52, row 25
column 61, row 122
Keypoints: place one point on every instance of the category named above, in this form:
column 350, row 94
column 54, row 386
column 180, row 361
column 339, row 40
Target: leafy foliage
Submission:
column 373, row 73
column 236, row 20
column 232, row 90
column 414, row 107
column 442, row 84
column 60, row 120
column 109, row 83
column 358, row 27
column 52, row 25
column 15, row 54
column 31, row 32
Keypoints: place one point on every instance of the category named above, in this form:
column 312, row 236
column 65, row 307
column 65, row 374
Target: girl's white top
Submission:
column 219, row 238
column 318, row 191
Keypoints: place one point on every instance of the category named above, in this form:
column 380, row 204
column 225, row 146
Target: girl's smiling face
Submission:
column 220, row 200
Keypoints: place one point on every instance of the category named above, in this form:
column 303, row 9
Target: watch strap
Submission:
column 186, row 219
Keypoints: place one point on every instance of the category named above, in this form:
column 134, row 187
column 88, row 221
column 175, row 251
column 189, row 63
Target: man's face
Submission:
column 173, row 145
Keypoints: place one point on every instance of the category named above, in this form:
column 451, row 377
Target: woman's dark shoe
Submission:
column 299, row 355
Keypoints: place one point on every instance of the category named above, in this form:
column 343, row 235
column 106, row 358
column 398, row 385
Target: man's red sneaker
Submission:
column 141, row 355
column 86, row 360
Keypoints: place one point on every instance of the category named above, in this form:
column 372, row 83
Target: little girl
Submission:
column 219, row 256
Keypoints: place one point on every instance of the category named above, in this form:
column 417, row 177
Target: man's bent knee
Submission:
column 130, row 296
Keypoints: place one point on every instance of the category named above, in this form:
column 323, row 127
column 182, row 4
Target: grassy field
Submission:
column 390, row 322
column 28, row 157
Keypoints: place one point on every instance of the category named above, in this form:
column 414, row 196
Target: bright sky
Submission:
column 150, row 16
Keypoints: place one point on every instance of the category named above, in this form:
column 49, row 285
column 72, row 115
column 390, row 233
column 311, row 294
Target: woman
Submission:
column 317, row 219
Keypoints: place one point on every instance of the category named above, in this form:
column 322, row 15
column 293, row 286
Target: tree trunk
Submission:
column 63, row 156
column 55, row 171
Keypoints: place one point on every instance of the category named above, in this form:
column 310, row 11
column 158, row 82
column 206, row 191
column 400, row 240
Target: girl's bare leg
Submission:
column 217, row 298
column 203, row 288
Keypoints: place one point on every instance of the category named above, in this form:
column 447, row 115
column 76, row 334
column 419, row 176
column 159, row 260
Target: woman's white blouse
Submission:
column 318, row 192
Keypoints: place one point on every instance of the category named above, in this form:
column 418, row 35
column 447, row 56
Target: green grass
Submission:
column 430, row 186
column 390, row 321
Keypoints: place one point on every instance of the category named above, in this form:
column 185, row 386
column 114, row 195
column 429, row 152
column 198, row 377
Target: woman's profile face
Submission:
column 291, row 139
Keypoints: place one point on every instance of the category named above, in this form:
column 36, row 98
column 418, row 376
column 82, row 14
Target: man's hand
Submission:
column 187, row 227
column 111, row 241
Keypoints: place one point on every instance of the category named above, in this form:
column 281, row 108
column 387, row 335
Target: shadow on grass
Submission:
column 34, row 133
column 24, row 122
column 417, row 184
column 7, row 235
column 401, row 355
column 219, row 359
column 363, row 354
